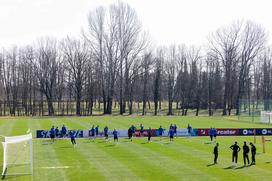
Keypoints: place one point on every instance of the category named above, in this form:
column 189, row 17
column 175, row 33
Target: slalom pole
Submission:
column 263, row 142
column 254, row 136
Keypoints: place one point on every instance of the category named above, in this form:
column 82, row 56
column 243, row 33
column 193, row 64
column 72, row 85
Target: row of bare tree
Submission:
column 114, row 62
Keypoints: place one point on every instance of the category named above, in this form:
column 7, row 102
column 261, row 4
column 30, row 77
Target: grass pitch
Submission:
column 184, row 159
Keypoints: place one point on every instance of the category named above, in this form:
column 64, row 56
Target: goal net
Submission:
column 266, row 117
column 18, row 155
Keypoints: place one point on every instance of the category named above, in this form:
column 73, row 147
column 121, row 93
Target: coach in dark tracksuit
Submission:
column 130, row 132
column 149, row 134
column 73, row 135
column 106, row 134
column 253, row 153
column 215, row 152
column 245, row 153
column 235, row 149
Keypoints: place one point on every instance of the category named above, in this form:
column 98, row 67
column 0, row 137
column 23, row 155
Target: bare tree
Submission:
column 225, row 45
column 170, row 68
column 130, row 44
column 46, row 68
column 265, row 77
column 253, row 39
column 147, row 62
column 158, row 79
column 96, row 40
column 77, row 57
column 10, row 78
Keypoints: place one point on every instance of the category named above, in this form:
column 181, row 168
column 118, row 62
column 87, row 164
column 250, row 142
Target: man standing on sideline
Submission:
column 115, row 135
column 253, row 153
column 130, row 133
column 235, row 149
column 211, row 134
column 106, row 130
column 149, row 134
column 52, row 133
column 215, row 152
column 245, row 154
column 63, row 131
column 92, row 133
column 171, row 134
column 96, row 130
column 72, row 136
column 189, row 128
column 57, row 132
column 141, row 130
column 160, row 130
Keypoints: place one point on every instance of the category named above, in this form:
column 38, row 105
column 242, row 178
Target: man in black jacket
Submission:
column 215, row 152
column 245, row 154
column 235, row 149
column 253, row 153
column 130, row 132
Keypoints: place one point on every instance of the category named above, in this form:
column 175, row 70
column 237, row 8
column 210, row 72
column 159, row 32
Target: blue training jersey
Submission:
column 52, row 131
column 171, row 132
column 160, row 130
column 211, row 132
column 106, row 129
column 115, row 133
column 72, row 134
column 63, row 129
column 92, row 130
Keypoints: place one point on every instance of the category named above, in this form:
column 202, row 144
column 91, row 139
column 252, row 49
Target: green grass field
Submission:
column 184, row 159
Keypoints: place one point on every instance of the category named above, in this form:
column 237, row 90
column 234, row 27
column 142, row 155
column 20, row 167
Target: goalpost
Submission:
column 18, row 155
column 266, row 117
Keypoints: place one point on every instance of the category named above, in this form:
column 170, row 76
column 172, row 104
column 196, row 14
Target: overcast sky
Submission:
column 167, row 21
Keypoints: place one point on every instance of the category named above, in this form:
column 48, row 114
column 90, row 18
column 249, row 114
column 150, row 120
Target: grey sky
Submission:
column 167, row 21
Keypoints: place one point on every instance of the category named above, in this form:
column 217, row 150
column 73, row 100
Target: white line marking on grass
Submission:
column 58, row 167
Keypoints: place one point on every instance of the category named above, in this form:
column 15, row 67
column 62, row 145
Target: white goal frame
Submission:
column 13, row 140
column 266, row 117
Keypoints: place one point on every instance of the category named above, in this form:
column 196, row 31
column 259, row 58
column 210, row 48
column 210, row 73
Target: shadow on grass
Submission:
column 46, row 142
column 64, row 147
column 127, row 141
column 12, row 177
column 230, row 167
column 87, row 142
column 267, row 162
column 212, row 164
column 144, row 142
column 241, row 167
column 112, row 145
column 167, row 143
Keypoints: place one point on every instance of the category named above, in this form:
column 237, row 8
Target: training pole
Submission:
column 254, row 136
column 263, row 142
